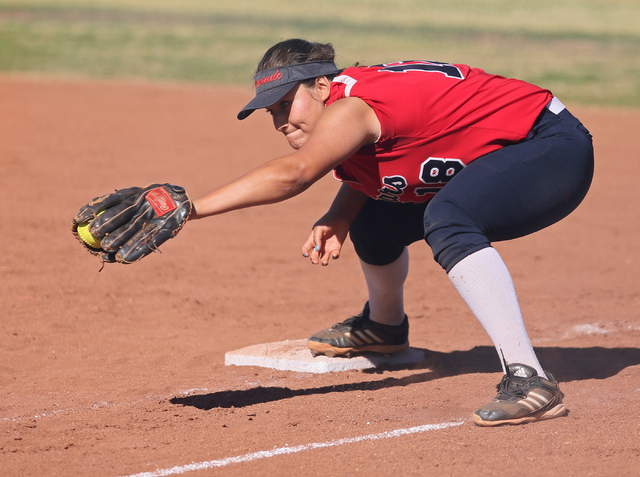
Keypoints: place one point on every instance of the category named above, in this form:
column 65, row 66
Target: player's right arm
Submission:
column 344, row 127
column 330, row 232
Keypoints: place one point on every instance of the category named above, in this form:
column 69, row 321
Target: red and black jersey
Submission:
column 436, row 118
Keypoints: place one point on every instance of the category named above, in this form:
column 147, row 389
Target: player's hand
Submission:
column 325, row 240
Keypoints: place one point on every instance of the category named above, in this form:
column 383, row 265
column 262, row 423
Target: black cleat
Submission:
column 359, row 334
column 523, row 396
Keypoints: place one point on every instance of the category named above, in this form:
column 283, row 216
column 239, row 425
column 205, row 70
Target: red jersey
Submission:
column 435, row 119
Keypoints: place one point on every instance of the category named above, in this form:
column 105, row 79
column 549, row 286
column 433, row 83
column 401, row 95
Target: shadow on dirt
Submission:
column 567, row 364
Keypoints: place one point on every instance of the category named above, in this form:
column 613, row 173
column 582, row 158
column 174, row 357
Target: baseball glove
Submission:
column 131, row 223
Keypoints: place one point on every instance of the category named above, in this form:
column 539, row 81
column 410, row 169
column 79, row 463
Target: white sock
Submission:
column 485, row 284
column 386, row 284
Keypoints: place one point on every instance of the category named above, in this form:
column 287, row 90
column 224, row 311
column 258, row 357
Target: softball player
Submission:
column 426, row 151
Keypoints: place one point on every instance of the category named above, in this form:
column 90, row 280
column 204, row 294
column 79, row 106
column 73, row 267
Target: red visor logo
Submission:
column 268, row 79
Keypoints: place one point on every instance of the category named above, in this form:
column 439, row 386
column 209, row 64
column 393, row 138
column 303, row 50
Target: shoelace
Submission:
column 349, row 322
column 510, row 387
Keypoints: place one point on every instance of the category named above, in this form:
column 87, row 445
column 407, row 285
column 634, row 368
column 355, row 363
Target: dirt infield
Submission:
column 122, row 371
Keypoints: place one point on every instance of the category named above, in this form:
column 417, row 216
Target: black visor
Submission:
column 273, row 84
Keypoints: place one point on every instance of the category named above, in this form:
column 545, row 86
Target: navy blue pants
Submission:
column 506, row 194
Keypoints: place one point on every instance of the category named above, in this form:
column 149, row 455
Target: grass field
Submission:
column 586, row 52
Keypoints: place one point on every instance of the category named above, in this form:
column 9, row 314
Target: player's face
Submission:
column 297, row 113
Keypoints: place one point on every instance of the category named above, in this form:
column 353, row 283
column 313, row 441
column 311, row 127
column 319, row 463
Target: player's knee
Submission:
column 451, row 234
column 372, row 249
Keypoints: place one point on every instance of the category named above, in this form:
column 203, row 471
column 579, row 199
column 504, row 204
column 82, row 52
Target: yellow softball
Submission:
column 85, row 235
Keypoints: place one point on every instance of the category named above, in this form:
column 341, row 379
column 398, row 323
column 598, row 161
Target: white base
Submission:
column 293, row 355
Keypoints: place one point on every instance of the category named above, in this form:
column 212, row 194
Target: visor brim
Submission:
column 266, row 99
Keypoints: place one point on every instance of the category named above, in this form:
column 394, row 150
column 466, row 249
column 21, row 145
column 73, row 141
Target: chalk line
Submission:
column 292, row 450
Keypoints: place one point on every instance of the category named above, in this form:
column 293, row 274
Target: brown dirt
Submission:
column 122, row 371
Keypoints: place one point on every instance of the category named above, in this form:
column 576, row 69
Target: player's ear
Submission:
column 323, row 87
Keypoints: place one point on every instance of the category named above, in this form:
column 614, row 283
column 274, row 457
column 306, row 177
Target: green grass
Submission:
column 586, row 52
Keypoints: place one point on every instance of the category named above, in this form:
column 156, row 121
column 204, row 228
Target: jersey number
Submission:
column 446, row 69
column 436, row 172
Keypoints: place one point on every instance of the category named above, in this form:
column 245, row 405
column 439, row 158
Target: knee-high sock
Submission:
column 385, row 284
column 485, row 284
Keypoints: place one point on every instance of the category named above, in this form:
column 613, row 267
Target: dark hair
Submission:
column 294, row 51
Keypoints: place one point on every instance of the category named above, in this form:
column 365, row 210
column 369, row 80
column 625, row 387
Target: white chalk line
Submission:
column 293, row 450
